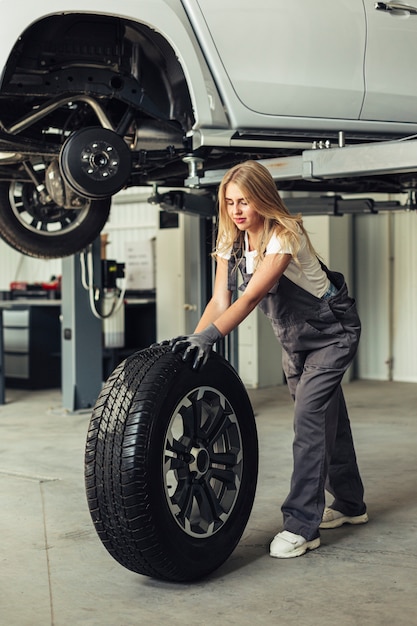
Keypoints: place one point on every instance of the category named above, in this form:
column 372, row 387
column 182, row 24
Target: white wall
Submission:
column 404, row 294
column 132, row 221
column 386, row 277
column 15, row 266
column 382, row 276
column 372, row 257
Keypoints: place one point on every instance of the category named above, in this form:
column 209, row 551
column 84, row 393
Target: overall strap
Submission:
column 235, row 263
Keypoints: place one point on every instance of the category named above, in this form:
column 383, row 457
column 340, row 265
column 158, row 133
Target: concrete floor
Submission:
column 55, row 571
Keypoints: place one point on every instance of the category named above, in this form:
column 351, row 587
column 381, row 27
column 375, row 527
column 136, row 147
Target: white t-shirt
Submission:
column 308, row 274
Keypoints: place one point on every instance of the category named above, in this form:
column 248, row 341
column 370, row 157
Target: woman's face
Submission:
column 243, row 214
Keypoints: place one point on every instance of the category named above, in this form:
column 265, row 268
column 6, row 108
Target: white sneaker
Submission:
column 285, row 545
column 334, row 519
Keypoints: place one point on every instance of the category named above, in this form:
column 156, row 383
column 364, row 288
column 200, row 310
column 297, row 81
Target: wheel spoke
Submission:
column 212, row 502
column 183, row 498
column 190, row 421
column 212, row 414
column 209, row 507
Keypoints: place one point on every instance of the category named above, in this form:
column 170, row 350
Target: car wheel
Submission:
column 46, row 230
column 171, row 464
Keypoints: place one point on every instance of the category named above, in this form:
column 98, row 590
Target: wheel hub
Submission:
column 95, row 162
column 99, row 160
column 200, row 462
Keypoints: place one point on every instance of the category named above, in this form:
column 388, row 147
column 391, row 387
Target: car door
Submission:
column 390, row 65
column 285, row 57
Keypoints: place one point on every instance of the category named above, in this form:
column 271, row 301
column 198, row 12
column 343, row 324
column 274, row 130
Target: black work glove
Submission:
column 165, row 342
column 197, row 347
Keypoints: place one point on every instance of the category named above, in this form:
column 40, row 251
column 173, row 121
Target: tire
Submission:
column 171, row 464
column 47, row 231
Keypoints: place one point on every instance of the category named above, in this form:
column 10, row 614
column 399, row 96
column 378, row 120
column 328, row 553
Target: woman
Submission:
column 318, row 327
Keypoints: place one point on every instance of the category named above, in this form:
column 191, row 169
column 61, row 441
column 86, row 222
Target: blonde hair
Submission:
column 259, row 190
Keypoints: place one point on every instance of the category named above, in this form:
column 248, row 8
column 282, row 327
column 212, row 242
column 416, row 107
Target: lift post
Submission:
column 2, row 376
column 82, row 352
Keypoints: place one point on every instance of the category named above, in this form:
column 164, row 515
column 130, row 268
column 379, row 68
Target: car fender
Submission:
column 167, row 17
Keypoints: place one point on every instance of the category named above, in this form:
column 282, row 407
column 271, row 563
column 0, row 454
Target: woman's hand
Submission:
column 197, row 347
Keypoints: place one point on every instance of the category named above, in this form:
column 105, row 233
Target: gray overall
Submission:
column 319, row 338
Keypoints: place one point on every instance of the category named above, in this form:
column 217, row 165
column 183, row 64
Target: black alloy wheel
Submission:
column 171, row 464
column 47, row 230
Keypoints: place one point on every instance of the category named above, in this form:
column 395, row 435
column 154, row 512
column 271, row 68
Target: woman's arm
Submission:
column 266, row 276
column 221, row 298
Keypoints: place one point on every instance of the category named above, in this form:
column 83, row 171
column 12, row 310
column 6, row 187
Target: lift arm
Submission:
column 376, row 158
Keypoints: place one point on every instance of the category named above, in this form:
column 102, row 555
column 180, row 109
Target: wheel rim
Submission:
column 43, row 219
column 203, row 462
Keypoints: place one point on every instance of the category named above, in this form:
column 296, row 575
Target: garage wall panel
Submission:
column 372, row 272
column 131, row 230
column 132, row 220
column 405, row 297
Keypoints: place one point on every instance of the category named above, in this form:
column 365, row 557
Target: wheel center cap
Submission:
column 200, row 461
column 99, row 160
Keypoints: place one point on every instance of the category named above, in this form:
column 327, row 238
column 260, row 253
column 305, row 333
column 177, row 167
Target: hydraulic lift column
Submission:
column 81, row 342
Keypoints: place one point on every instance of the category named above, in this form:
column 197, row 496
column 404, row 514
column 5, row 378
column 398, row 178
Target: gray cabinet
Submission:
column 32, row 345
